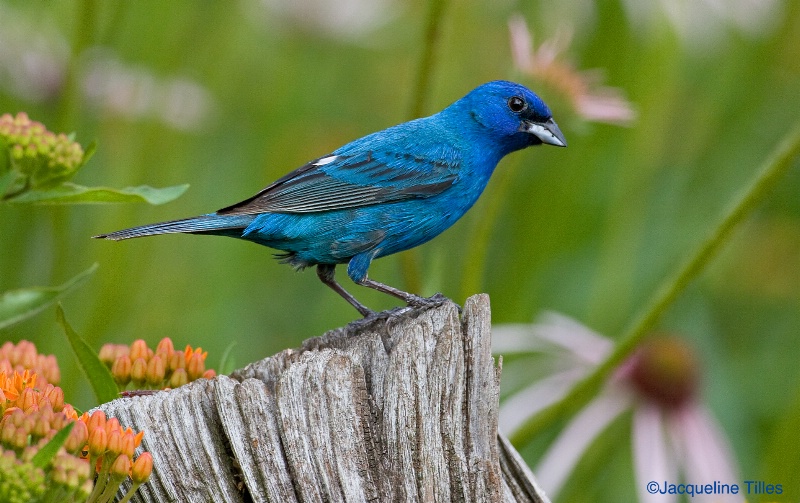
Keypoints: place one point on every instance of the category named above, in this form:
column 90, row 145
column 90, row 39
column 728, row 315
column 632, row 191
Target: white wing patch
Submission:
column 326, row 160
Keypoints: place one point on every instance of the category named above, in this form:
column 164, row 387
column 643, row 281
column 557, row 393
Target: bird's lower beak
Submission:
column 547, row 131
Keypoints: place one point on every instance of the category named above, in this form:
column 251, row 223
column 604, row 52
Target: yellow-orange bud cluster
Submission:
column 110, row 450
column 24, row 356
column 31, row 421
column 38, row 154
column 21, row 391
column 162, row 368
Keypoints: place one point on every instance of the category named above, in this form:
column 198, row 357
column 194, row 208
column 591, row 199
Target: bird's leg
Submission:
column 326, row 273
column 357, row 270
column 408, row 298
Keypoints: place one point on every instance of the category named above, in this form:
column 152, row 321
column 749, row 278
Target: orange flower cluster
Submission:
column 33, row 411
column 163, row 368
column 22, row 430
column 23, row 356
column 110, row 450
column 33, row 419
column 19, row 391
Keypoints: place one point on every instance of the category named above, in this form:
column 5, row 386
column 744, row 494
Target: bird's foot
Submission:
column 435, row 300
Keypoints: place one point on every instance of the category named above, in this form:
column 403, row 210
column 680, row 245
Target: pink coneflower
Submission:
column 674, row 436
column 583, row 89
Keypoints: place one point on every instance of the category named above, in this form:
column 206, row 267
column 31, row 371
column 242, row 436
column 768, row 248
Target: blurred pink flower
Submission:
column 34, row 58
column 136, row 93
column 703, row 24
column 583, row 89
column 675, row 438
column 342, row 19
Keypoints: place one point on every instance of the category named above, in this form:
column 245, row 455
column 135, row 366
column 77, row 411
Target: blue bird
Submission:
column 384, row 193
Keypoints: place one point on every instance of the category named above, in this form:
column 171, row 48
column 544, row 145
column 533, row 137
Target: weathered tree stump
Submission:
column 399, row 408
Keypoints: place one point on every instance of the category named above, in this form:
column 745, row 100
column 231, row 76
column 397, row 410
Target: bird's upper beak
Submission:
column 547, row 131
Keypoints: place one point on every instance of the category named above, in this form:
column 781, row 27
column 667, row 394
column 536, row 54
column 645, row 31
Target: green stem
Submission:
column 130, row 493
column 772, row 169
column 426, row 61
column 409, row 260
column 82, row 38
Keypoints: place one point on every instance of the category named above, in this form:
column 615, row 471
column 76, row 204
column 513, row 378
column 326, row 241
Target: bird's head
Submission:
column 512, row 115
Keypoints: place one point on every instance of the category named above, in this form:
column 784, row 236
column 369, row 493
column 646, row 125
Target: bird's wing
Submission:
column 337, row 182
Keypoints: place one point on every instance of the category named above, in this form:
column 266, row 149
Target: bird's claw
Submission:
column 426, row 302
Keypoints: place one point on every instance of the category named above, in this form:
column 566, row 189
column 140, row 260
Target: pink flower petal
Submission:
column 559, row 461
column 530, row 401
column 651, row 454
column 587, row 345
column 706, row 455
column 521, row 42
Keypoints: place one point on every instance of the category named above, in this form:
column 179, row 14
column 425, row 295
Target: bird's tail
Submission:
column 204, row 224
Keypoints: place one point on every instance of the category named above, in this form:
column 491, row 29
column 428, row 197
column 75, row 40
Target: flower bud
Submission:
column 20, row 439
column 41, row 427
column 165, row 348
column 56, row 397
column 27, row 399
column 16, row 417
column 77, row 438
column 195, row 366
column 114, row 445
column 155, row 371
column 69, row 412
column 142, row 468
column 121, row 466
column 138, row 350
column 139, row 372
column 177, row 361
column 59, row 421
column 98, row 441
column 121, row 370
column 210, row 374
column 113, row 425
column 107, row 354
column 179, row 378
column 7, row 431
column 49, row 368
column 27, row 354
column 128, row 443
column 96, row 420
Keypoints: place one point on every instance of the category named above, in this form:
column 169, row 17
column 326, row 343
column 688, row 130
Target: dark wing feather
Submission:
column 351, row 181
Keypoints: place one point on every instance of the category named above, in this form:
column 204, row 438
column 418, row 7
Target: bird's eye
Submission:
column 516, row 104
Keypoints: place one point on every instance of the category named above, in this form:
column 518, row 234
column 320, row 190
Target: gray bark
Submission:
column 399, row 408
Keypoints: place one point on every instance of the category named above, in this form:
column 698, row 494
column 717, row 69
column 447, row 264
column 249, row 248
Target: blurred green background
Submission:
column 228, row 96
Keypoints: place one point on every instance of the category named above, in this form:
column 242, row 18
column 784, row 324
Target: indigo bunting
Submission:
column 384, row 193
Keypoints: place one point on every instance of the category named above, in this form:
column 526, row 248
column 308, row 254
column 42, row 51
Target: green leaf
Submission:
column 46, row 454
column 5, row 162
column 70, row 193
column 17, row 305
column 6, row 179
column 88, row 153
column 227, row 363
column 100, row 378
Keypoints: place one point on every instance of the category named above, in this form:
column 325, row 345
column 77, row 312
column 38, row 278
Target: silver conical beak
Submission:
column 547, row 131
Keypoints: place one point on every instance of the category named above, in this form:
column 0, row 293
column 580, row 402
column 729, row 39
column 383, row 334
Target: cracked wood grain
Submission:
column 398, row 408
